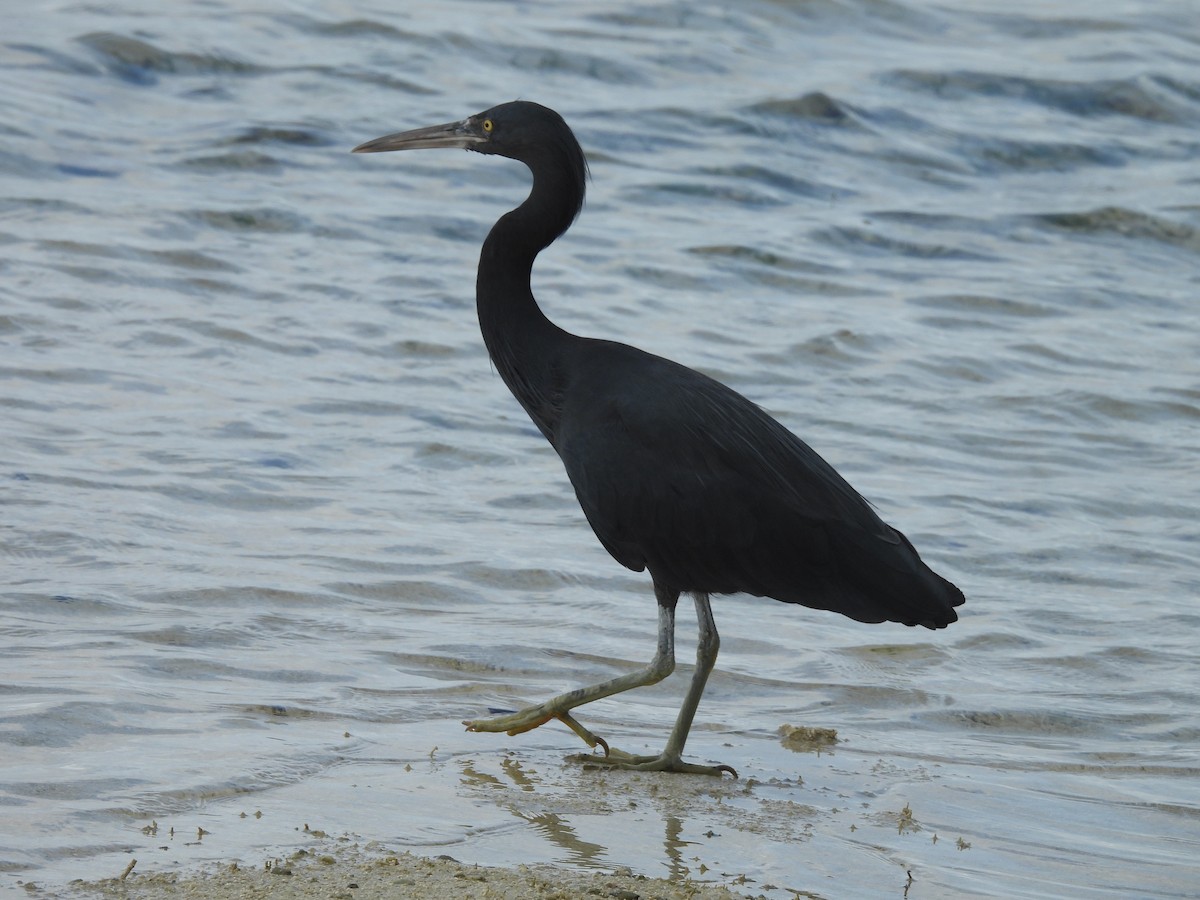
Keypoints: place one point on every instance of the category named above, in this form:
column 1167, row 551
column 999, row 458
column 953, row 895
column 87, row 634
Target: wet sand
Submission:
column 533, row 824
column 344, row 870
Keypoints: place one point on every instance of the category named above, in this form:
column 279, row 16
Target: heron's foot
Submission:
column 533, row 717
column 619, row 759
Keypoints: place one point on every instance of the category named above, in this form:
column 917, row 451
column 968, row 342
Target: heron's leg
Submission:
column 559, row 707
column 671, row 759
column 707, row 647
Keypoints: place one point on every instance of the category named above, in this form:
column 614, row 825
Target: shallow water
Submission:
column 272, row 526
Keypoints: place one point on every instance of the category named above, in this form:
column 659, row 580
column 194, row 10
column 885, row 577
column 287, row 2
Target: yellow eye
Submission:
column 487, row 125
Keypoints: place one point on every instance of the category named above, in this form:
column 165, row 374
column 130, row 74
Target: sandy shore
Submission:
column 342, row 870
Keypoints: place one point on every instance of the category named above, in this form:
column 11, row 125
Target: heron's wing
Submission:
column 682, row 473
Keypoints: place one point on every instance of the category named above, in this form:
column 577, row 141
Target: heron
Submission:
column 676, row 473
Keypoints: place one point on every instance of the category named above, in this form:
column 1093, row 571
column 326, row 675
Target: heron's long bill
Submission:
column 463, row 135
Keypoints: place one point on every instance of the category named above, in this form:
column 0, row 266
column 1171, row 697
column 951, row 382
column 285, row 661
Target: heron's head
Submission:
column 516, row 130
column 534, row 134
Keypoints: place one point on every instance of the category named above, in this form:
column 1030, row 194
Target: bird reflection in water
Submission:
column 558, row 828
column 552, row 826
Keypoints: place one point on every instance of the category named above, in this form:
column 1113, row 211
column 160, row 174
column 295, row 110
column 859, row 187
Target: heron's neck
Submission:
column 525, row 346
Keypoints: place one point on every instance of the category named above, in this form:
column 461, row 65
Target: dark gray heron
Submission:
column 676, row 472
